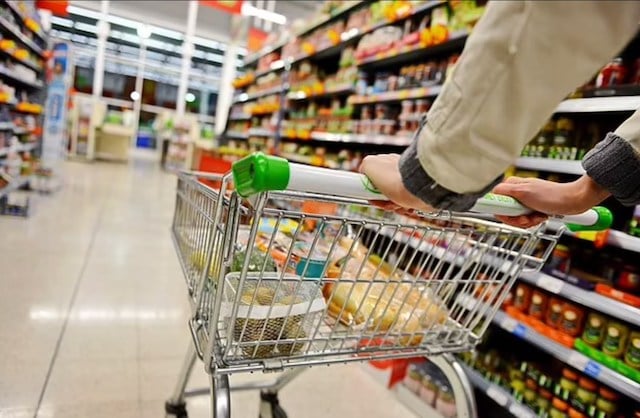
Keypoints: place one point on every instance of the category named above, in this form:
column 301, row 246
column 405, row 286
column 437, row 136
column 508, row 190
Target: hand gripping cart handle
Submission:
column 277, row 286
column 258, row 173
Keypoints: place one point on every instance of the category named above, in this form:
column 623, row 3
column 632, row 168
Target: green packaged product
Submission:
column 615, row 340
column 594, row 330
column 632, row 354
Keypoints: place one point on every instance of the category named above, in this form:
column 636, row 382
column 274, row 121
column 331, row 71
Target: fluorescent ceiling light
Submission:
column 61, row 21
column 189, row 97
column 249, row 10
column 135, row 96
column 144, row 31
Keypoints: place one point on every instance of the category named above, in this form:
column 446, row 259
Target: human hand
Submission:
column 549, row 198
column 383, row 171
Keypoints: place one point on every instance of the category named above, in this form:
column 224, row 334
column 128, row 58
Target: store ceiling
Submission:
column 211, row 24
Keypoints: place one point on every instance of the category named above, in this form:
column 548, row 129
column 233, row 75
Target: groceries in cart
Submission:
column 302, row 280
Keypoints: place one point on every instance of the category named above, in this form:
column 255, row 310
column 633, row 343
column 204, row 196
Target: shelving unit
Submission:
column 548, row 164
column 569, row 356
column 498, row 394
column 24, row 72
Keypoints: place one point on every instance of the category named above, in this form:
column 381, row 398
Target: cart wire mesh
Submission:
column 297, row 279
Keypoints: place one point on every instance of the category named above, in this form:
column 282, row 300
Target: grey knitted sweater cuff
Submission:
column 614, row 164
column 420, row 184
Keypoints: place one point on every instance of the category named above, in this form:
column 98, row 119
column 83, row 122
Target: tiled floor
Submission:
column 93, row 310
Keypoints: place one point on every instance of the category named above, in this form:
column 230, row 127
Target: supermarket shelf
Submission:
column 20, row 148
column 18, row 108
column 253, row 59
column 299, row 95
column 236, row 135
column 550, row 164
column 404, row 55
column 239, row 116
column 414, row 403
column 498, row 394
column 12, row 6
column 586, row 298
column 244, row 97
column 23, row 62
column 275, row 66
column 261, row 132
column 297, row 158
column 397, row 96
column 362, row 139
column 571, row 357
column 18, row 79
column 19, row 36
column 624, row 241
column 323, row 20
column 14, row 185
column 600, row 104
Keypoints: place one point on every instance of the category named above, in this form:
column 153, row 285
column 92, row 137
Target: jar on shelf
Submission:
column 538, row 306
column 428, row 390
column 585, row 394
column 445, row 403
column 594, row 329
column 615, row 340
column 632, row 353
column 567, row 385
column 559, row 409
column 606, row 402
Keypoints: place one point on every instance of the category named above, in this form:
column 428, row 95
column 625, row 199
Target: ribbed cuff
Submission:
column 614, row 164
column 418, row 182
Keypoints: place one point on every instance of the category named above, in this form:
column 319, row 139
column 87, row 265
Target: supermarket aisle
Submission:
column 93, row 310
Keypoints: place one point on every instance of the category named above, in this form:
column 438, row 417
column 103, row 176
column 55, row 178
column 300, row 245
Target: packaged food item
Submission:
column 632, row 354
column 594, row 330
column 567, row 385
column 585, row 394
column 522, row 298
column 554, row 312
column 538, row 306
column 613, row 74
column 628, row 279
column 413, row 379
column 428, row 390
column 572, row 319
column 574, row 413
column 445, row 403
column 560, row 259
column 559, row 409
column 607, row 401
column 400, row 311
column 544, row 400
column 615, row 339
column 530, row 395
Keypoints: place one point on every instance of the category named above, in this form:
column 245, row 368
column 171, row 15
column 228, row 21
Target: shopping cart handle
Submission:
column 259, row 173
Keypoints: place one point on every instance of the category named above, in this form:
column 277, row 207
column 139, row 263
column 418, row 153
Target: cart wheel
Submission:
column 270, row 406
column 176, row 410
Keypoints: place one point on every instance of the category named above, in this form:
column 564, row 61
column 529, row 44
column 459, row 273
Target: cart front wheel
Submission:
column 178, row 410
column 270, row 406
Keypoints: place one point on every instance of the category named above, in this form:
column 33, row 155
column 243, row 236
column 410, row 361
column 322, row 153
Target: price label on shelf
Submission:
column 497, row 395
column 509, row 323
column 578, row 361
column 592, row 369
column 520, row 331
column 550, row 284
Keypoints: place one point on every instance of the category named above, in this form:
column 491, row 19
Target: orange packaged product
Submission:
column 572, row 319
column 538, row 306
column 522, row 298
column 554, row 312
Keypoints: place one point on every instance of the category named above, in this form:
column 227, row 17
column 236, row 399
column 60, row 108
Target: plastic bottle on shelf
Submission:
column 614, row 73
column 594, row 329
column 615, row 339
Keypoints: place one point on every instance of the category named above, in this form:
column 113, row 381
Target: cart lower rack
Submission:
column 283, row 278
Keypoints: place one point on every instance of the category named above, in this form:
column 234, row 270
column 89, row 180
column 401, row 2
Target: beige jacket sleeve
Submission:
column 521, row 60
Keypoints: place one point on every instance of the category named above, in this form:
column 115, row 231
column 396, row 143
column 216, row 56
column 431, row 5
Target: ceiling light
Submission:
column 189, row 97
column 135, row 96
column 144, row 31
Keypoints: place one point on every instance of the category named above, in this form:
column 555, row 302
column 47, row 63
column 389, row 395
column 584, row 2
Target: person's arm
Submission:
column 520, row 61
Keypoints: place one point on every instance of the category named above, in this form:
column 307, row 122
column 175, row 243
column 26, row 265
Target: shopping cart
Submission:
column 288, row 266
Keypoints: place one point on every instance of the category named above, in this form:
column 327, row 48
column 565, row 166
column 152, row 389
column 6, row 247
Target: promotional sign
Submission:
column 234, row 7
column 255, row 40
column 55, row 122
